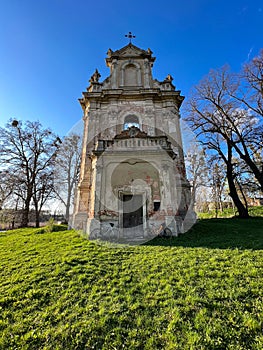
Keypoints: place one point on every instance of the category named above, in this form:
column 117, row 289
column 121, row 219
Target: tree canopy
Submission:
column 28, row 152
column 225, row 110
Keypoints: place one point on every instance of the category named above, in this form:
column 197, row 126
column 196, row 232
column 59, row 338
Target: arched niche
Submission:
column 131, row 120
column 131, row 74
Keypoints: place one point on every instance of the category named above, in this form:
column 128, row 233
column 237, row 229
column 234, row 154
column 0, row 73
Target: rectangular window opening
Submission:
column 156, row 206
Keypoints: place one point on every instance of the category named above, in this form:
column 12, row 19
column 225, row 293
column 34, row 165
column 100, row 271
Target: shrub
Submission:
column 50, row 226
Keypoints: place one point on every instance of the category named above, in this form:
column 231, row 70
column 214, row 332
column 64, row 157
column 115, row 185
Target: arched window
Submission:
column 131, row 120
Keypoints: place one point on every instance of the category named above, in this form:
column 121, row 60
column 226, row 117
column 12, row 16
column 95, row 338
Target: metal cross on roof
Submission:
column 130, row 36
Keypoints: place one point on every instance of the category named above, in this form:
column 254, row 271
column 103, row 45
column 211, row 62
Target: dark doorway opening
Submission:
column 132, row 210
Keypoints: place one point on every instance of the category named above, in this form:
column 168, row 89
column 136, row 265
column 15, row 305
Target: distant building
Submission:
column 132, row 174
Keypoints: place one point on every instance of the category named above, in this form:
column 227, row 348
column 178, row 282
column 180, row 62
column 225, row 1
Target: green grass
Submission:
column 230, row 212
column 202, row 290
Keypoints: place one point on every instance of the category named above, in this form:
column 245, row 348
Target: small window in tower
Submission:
column 156, row 205
column 131, row 120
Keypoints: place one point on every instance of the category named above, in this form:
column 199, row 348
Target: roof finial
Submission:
column 130, row 36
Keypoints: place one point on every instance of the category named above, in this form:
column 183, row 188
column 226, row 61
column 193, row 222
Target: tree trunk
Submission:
column 243, row 194
column 242, row 210
column 25, row 215
column 68, row 208
column 37, row 216
column 69, row 196
column 37, row 209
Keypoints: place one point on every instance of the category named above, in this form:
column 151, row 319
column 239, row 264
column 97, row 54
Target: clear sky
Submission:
column 50, row 48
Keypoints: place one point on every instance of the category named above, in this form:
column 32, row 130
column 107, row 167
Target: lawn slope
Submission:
column 202, row 290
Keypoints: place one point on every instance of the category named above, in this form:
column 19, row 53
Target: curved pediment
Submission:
column 129, row 51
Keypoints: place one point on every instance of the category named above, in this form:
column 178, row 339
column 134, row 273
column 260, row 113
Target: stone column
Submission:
column 146, row 74
column 98, row 188
column 114, row 74
column 166, row 186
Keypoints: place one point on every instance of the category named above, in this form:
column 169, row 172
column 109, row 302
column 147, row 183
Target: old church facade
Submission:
column 132, row 174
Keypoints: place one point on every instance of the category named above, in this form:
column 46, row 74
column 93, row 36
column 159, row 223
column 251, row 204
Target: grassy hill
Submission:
column 202, row 290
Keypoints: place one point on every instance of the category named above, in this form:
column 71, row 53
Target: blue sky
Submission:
column 50, row 48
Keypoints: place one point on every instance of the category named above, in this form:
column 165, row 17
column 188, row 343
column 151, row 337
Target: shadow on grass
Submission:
column 219, row 234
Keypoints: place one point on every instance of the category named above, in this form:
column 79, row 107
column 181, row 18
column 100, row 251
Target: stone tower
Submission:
column 132, row 173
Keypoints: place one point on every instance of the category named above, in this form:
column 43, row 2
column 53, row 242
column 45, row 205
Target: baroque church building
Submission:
column 132, row 176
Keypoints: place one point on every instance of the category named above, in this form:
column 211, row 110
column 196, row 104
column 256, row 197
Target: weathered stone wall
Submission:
column 111, row 167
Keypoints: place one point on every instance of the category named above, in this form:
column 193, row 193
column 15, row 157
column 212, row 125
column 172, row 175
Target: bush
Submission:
column 50, row 226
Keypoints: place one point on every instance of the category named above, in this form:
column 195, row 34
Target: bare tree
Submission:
column 250, row 93
column 225, row 152
column 250, row 98
column 217, row 106
column 217, row 180
column 27, row 151
column 197, row 170
column 209, row 111
column 6, row 187
column 245, row 181
column 221, row 105
column 67, row 170
column 43, row 190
